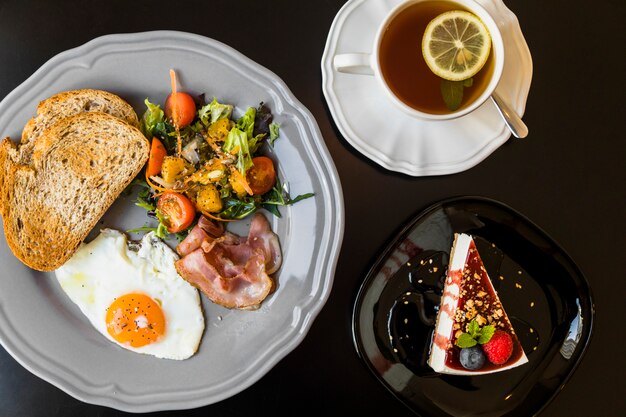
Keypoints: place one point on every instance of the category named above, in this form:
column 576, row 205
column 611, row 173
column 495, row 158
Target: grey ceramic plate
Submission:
column 47, row 334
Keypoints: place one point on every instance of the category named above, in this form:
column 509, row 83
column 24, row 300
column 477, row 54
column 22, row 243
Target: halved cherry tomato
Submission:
column 180, row 109
column 177, row 209
column 261, row 176
column 157, row 154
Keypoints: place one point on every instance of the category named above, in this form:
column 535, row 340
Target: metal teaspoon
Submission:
column 512, row 120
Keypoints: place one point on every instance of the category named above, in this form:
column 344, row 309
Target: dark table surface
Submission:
column 568, row 176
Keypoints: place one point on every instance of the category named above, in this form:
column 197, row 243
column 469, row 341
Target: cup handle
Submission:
column 357, row 63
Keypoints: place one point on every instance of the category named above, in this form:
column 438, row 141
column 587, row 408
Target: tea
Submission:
column 404, row 69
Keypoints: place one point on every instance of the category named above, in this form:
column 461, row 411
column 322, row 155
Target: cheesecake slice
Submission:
column 471, row 318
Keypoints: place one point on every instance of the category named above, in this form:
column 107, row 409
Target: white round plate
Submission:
column 398, row 142
column 46, row 332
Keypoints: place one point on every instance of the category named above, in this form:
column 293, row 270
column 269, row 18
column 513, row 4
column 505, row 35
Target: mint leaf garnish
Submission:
column 473, row 329
column 465, row 341
column 485, row 334
column 452, row 92
column 474, row 335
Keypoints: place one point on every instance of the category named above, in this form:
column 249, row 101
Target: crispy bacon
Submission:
column 232, row 271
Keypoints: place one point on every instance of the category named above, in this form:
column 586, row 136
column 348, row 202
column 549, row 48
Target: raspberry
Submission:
column 499, row 348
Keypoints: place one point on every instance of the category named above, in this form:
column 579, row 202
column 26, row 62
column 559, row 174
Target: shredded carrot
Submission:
column 159, row 188
column 217, row 218
column 175, row 118
column 173, row 81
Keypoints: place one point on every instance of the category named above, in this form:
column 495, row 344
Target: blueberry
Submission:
column 472, row 358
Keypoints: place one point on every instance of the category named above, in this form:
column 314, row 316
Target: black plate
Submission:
column 545, row 295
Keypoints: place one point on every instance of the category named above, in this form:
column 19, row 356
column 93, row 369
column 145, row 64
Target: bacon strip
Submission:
column 193, row 241
column 230, row 270
column 205, row 230
column 262, row 237
column 213, row 229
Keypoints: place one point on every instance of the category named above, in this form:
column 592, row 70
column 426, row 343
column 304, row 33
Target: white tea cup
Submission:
column 370, row 63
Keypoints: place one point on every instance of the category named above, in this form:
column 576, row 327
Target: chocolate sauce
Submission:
column 409, row 307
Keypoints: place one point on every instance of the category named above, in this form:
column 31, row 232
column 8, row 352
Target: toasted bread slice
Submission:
column 8, row 154
column 67, row 104
column 79, row 166
column 53, row 109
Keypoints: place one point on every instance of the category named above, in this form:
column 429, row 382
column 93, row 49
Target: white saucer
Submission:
column 398, row 142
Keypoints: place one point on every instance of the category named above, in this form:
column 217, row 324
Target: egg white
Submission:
column 106, row 268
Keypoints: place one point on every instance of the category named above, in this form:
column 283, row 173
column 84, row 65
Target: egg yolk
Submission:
column 135, row 320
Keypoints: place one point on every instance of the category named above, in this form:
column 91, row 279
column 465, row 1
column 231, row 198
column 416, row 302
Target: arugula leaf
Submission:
column 145, row 200
column 300, row 198
column 272, row 208
column 159, row 231
column 277, row 196
column 237, row 208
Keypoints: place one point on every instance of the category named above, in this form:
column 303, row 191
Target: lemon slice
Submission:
column 456, row 45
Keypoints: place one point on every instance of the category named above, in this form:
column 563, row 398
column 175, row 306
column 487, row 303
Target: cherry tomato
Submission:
column 157, row 154
column 261, row 176
column 177, row 209
column 180, row 109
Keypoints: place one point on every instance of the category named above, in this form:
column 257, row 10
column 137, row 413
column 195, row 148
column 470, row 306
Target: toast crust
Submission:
column 69, row 103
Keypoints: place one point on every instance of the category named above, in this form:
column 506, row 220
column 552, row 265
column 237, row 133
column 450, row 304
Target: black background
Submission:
column 568, row 177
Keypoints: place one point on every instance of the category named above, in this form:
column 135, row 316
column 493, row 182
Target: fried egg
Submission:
column 132, row 294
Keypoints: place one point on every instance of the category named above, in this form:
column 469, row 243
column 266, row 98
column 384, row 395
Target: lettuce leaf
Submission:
column 274, row 127
column 151, row 119
column 238, row 139
column 246, row 122
column 214, row 111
